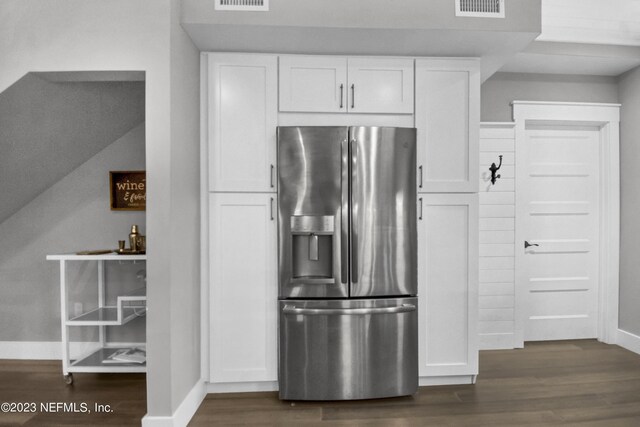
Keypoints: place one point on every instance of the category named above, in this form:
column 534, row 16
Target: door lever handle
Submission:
column 527, row 244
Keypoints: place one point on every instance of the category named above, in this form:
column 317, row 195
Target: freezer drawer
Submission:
column 348, row 349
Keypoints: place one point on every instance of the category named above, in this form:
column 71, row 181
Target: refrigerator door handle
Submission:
column 344, row 223
column 404, row 308
column 354, row 211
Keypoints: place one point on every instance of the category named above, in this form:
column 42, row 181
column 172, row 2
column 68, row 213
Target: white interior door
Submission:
column 558, row 202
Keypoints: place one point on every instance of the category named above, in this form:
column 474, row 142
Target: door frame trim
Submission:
column 607, row 118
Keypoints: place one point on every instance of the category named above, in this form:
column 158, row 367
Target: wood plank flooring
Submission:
column 584, row 383
column 41, row 382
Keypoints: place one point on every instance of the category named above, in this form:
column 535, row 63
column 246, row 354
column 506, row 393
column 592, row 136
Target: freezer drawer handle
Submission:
column 404, row 308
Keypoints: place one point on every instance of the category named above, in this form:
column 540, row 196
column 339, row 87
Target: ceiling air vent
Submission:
column 480, row 8
column 243, row 5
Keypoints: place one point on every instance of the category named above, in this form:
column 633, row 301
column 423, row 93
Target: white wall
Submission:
column 502, row 88
column 629, row 313
column 497, row 236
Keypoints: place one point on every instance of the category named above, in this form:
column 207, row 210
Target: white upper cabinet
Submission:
column 448, row 123
column 333, row 84
column 380, row 85
column 313, row 84
column 241, row 119
column 448, row 284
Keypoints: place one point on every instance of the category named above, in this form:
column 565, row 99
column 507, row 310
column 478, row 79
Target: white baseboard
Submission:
column 447, row 380
column 496, row 341
column 629, row 341
column 31, row 350
column 185, row 411
column 242, row 387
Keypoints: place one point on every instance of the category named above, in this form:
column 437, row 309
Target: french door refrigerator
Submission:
column 347, row 262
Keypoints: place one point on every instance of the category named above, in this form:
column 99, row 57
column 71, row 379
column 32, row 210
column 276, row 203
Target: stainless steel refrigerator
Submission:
column 347, row 262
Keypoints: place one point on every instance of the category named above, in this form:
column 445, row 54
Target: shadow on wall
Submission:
column 60, row 139
column 49, row 128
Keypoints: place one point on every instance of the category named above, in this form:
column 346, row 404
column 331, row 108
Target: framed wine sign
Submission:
column 128, row 190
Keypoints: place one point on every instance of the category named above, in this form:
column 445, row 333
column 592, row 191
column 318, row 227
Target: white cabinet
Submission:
column 448, row 122
column 241, row 119
column 243, row 288
column 448, row 284
column 380, row 85
column 313, row 84
column 333, row 84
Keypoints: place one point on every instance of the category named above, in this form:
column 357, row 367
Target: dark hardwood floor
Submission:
column 37, row 381
column 584, row 383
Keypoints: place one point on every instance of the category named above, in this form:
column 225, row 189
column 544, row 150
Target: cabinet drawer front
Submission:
column 242, row 119
column 313, row 84
column 380, row 85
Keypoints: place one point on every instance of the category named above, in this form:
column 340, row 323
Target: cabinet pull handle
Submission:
column 271, row 176
column 420, row 169
column 420, row 216
column 271, row 209
column 341, row 94
column 353, row 96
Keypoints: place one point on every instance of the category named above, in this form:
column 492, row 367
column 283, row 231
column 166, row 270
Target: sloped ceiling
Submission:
column 49, row 128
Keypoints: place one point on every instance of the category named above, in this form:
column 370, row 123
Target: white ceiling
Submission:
column 592, row 37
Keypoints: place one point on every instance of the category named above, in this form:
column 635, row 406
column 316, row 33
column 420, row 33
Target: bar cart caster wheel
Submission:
column 68, row 379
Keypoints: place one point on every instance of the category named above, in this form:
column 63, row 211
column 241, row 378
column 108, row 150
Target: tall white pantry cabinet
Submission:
column 244, row 98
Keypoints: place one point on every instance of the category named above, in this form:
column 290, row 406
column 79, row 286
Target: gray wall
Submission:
column 630, row 202
column 71, row 215
column 502, row 88
column 95, row 35
column 173, row 340
column 521, row 15
column 58, row 126
column 185, row 208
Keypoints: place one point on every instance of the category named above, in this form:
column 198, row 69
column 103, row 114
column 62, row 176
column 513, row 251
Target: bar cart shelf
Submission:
column 127, row 308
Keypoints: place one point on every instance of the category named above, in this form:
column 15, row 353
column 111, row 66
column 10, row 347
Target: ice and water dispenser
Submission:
column 312, row 247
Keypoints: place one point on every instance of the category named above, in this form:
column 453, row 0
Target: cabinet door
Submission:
column 448, row 122
column 313, row 84
column 448, row 284
column 380, row 85
column 243, row 287
column 242, row 119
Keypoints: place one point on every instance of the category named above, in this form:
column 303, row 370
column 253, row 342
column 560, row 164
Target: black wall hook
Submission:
column 494, row 169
